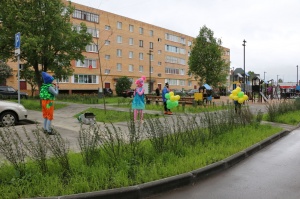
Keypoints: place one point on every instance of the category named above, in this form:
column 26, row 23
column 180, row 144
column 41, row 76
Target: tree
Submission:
column 29, row 77
column 205, row 61
column 48, row 41
column 5, row 72
column 123, row 83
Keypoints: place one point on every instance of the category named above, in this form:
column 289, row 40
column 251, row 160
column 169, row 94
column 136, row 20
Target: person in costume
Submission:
column 138, row 102
column 47, row 94
column 164, row 92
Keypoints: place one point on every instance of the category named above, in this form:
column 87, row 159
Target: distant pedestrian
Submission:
column 164, row 92
column 48, row 92
column 157, row 92
column 138, row 102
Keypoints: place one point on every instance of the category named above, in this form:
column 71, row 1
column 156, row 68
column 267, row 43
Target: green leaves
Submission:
column 206, row 62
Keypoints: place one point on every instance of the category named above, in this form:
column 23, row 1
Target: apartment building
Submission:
column 127, row 47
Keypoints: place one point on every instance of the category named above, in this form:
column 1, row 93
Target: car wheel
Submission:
column 8, row 118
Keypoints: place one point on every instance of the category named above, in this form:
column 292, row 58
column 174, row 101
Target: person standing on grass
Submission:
column 47, row 94
column 138, row 102
column 164, row 92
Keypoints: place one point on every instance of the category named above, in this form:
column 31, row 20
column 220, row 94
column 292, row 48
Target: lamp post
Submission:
column 297, row 76
column 244, row 44
column 264, row 76
column 277, row 80
column 232, row 77
column 150, row 51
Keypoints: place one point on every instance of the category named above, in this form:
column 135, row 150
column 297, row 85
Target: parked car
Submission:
column 128, row 93
column 8, row 92
column 11, row 113
column 179, row 92
column 108, row 92
column 192, row 91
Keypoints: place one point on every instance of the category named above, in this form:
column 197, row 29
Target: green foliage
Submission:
column 47, row 36
column 5, row 72
column 124, row 158
column 123, row 83
column 206, row 62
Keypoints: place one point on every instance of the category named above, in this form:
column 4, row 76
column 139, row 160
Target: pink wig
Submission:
column 140, row 81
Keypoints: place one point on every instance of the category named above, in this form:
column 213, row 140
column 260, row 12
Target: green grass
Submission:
column 152, row 166
column 112, row 116
column 291, row 118
column 35, row 104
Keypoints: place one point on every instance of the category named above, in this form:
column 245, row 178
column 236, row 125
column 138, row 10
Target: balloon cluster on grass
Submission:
column 238, row 95
column 172, row 100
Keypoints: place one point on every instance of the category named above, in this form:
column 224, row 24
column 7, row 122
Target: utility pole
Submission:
column 150, row 82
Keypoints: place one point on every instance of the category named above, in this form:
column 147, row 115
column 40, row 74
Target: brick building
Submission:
column 127, row 47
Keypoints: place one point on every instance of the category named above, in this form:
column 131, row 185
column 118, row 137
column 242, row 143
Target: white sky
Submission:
column 270, row 27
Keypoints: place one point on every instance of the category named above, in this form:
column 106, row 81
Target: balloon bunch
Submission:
column 172, row 100
column 238, row 95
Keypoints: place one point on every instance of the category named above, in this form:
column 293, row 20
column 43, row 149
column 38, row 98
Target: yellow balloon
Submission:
column 235, row 98
column 245, row 97
column 177, row 97
column 173, row 98
column 234, row 92
column 238, row 89
column 241, row 100
column 231, row 96
column 171, row 93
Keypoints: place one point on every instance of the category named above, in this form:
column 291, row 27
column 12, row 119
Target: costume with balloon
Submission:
column 138, row 102
column 238, row 96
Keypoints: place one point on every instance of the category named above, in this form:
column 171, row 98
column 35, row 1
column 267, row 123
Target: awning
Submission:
column 207, row 87
column 239, row 74
column 297, row 88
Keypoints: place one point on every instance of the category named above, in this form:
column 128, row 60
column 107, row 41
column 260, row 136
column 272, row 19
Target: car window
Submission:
column 10, row 89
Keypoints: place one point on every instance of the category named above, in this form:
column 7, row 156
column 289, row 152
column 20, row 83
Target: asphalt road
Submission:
column 272, row 173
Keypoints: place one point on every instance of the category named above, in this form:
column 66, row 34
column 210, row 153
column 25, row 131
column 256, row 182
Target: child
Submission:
column 138, row 102
column 47, row 94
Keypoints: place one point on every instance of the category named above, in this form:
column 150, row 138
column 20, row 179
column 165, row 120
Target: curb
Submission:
column 167, row 184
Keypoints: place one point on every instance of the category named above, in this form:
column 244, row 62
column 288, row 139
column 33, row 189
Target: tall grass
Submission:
column 111, row 157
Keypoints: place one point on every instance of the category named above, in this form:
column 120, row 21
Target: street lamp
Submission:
column 232, row 77
column 297, row 76
column 264, row 76
column 244, row 44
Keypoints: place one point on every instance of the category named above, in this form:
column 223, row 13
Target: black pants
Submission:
column 165, row 106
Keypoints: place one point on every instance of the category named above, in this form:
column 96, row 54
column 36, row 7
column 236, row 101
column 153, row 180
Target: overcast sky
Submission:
column 271, row 28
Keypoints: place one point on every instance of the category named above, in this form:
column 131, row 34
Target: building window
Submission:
column 181, row 71
column 151, row 33
column 107, row 57
column 141, row 68
column 131, row 41
column 189, row 43
column 64, row 80
column 119, row 53
column 159, row 63
column 141, row 56
column 131, row 28
column 141, row 30
column 119, row 39
column 107, row 42
column 151, row 69
column 189, row 83
column 159, row 52
column 130, row 68
column 107, row 27
column 130, row 54
column 151, row 45
column 119, row 25
column 86, row 63
column 93, row 31
column 87, row 16
column 91, row 48
column 107, row 71
column 151, row 57
column 141, row 43
column 159, row 39
column 119, row 67
column 85, row 79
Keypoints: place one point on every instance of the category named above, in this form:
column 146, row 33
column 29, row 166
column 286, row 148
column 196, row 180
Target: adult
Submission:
column 48, row 92
column 164, row 92
column 157, row 92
